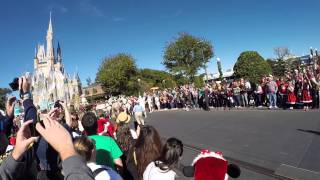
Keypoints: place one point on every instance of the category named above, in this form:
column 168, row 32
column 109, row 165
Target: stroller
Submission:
column 251, row 100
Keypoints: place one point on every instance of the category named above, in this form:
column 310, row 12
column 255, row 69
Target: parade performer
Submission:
column 306, row 94
column 291, row 95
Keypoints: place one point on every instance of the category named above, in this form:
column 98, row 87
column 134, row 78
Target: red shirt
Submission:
column 101, row 125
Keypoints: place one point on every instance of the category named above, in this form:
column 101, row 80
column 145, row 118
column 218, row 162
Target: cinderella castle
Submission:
column 50, row 82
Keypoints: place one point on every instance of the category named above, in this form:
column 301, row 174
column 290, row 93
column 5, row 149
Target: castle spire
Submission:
column 59, row 58
column 35, row 52
column 50, row 53
column 50, row 25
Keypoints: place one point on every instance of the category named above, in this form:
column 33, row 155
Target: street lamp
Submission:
column 219, row 68
column 164, row 83
column 139, row 85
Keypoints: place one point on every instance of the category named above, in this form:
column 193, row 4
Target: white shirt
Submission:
column 248, row 85
column 154, row 173
column 109, row 174
column 133, row 134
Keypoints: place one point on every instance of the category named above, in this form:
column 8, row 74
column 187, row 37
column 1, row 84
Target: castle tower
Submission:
column 50, row 51
column 35, row 59
column 49, row 81
column 58, row 65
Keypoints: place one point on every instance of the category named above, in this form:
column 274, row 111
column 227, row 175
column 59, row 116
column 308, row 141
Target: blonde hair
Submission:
column 84, row 147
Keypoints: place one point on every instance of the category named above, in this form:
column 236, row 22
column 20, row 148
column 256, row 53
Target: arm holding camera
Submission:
column 25, row 94
column 12, row 167
column 72, row 165
column 67, row 113
column 18, row 163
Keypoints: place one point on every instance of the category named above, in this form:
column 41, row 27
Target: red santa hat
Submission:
column 210, row 166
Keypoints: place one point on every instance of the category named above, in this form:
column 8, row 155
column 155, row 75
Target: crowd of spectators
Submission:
column 105, row 143
column 299, row 90
column 63, row 144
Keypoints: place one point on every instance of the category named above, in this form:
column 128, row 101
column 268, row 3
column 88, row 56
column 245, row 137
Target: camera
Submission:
column 57, row 104
column 14, row 84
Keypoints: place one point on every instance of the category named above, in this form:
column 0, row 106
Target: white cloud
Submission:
column 177, row 13
column 63, row 9
column 118, row 19
column 57, row 8
column 87, row 6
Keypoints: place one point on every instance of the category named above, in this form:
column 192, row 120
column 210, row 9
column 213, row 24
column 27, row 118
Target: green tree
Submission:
column 281, row 66
column 156, row 77
column 118, row 75
column 186, row 54
column 198, row 81
column 89, row 81
column 252, row 66
column 293, row 63
column 278, row 66
column 3, row 93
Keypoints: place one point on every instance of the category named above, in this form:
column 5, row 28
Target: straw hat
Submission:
column 123, row 117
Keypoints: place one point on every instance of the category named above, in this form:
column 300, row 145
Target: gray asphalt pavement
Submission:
column 286, row 142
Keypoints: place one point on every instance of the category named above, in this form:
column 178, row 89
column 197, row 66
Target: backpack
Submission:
column 99, row 170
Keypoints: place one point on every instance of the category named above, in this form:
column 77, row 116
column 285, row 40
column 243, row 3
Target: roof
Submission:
column 225, row 74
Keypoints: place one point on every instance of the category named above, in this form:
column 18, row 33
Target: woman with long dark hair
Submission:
column 146, row 149
column 162, row 168
column 126, row 141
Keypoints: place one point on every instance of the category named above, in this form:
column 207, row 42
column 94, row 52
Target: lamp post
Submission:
column 219, row 68
column 139, row 85
column 164, row 83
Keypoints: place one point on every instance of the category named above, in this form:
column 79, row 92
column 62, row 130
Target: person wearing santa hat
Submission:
column 211, row 165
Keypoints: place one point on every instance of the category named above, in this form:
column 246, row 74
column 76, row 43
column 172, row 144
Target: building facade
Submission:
column 50, row 82
column 94, row 90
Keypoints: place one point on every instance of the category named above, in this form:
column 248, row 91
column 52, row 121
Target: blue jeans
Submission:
column 272, row 99
column 237, row 100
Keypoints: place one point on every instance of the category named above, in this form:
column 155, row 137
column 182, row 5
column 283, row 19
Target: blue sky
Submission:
column 89, row 30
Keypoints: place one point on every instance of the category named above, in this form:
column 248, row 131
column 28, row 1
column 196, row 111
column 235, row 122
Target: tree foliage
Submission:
column 281, row 52
column 186, row 54
column 118, row 75
column 89, row 81
column 157, row 78
column 252, row 66
column 278, row 66
column 198, row 81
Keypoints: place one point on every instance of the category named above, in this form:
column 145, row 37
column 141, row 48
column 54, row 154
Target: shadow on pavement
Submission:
column 310, row 131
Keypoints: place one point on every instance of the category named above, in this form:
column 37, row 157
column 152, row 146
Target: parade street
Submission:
column 266, row 144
